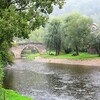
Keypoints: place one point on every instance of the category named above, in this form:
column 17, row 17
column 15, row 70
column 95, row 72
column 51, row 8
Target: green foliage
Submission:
column 37, row 35
column 11, row 95
column 52, row 39
column 82, row 56
column 5, row 54
column 1, row 73
column 9, row 29
column 14, row 44
column 32, row 56
column 73, row 32
column 26, row 52
column 18, row 18
column 95, row 41
column 77, row 31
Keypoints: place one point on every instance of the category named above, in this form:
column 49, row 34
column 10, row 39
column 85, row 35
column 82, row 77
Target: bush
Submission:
column 5, row 54
column 68, row 50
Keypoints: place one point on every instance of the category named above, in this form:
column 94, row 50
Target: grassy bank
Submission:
column 11, row 95
column 32, row 56
column 82, row 56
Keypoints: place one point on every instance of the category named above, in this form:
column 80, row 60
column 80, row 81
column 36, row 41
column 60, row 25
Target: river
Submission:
column 44, row 81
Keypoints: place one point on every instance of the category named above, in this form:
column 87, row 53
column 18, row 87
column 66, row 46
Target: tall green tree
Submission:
column 77, row 31
column 52, row 39
column 18, row 18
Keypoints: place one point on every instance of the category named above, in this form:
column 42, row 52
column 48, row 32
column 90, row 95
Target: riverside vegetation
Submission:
column 82, row 56
column 71, row 37
column 24, row 16
column 74, row 33
column 9, row 94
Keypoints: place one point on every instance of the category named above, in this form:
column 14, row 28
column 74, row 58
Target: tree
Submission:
column 37, row 35
column 95, row 41
column 34, row 36
column 52, row 39
column 77, row 31
column 18, row 18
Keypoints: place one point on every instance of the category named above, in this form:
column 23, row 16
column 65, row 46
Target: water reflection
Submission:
column 54, row 82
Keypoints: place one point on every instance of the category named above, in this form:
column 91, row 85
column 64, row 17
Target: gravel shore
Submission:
column 89, row 62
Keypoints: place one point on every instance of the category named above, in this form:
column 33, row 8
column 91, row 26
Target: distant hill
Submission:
column 87, row 7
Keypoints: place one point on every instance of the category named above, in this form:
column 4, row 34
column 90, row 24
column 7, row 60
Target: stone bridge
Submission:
column 21, row 46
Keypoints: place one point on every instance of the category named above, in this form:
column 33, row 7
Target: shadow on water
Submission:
column 54, row 81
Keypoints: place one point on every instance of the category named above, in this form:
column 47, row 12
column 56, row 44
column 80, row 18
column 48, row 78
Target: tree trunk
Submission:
column 97, row 50
column 4, row 96
column 77, row 51
column 57, row 52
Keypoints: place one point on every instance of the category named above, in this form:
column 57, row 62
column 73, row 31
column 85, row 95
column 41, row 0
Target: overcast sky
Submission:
column 87, row 7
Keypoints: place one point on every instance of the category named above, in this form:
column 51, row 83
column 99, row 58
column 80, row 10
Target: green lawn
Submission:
column 82, row 56
column 11, row 95
column 32, row 56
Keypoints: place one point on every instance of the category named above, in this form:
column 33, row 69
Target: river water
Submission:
column 44, row 81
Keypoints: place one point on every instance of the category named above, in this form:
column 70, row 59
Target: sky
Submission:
column 86, row 7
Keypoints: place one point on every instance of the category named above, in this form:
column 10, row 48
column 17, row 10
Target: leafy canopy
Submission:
column 77, row 31
column 18, row 18
column 53, row 37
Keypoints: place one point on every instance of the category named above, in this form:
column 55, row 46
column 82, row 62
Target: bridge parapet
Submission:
column 26, row 43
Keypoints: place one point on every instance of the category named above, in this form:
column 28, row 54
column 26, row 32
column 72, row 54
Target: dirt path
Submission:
column 90, row 62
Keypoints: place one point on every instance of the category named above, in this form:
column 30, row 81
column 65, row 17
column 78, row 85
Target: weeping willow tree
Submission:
column 52, row 39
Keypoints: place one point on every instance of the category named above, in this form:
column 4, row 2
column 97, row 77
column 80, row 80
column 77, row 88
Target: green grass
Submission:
column 11, row 95
column 32, row 56
column 82, row 56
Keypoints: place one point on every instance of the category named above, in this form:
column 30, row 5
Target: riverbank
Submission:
column 88, row 62
column 11, row 95
column 6, row 94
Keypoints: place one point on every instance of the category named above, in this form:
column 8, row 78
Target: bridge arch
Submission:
column 17, row 51
column 32, row 47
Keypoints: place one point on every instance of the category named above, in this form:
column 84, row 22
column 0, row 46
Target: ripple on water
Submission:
column 54, row 82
